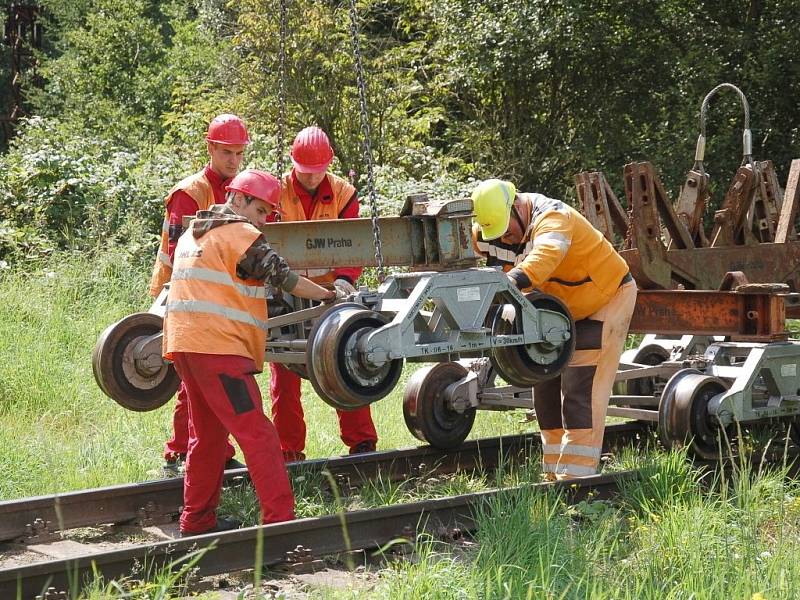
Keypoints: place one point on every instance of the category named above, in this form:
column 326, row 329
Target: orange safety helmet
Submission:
column 257, row 184
column 227, row 129
column 311, row 151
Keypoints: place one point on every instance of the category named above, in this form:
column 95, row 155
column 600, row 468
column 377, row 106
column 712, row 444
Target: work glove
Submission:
column 344, row 285
column 338, row 294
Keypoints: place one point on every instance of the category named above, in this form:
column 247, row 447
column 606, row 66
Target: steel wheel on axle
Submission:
column 650, row 355
column 340, row 374
column 683, row 417
column 139, row 383
column 514, row 363
column 427, row 412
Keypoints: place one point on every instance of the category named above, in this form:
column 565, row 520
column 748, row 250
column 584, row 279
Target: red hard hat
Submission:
column 227, row 129
column 311, row 151
column 257, row 184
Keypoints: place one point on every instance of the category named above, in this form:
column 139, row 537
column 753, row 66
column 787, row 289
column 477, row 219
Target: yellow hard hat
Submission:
column 492, row 201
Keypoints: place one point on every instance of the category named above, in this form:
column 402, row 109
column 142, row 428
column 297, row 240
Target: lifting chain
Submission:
column 747, row 138
column 362, row 103
column 281, row 133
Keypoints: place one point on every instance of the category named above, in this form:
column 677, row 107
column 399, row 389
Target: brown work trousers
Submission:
column 571, row 409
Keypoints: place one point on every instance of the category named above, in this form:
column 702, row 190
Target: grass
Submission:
column 676, row 533
column 667, row 536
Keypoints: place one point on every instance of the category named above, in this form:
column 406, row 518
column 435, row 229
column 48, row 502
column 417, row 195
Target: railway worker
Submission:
column 226, row 141
column 545, row 245
column 214, row 333
column 310, row 193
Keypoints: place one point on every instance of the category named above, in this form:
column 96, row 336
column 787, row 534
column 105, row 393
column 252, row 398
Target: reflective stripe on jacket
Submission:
column 210, row 310
column 199, row 188
column 292, row 210
column 561, row 254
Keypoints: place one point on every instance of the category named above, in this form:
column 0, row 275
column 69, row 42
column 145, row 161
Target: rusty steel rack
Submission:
column 666, row 247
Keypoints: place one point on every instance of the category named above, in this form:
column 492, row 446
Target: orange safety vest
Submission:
column 199, row 188
column 210, row 310
column 292, row 210
column 586, row 270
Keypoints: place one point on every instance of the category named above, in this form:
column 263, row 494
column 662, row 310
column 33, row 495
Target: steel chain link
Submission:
column 362, row 103
column 281, row 133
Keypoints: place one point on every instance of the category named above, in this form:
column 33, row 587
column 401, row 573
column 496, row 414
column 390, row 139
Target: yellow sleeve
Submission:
column 548, row 245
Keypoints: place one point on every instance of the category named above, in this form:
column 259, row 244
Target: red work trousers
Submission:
column 223, row 397
column 178, row 444
column 356, row 426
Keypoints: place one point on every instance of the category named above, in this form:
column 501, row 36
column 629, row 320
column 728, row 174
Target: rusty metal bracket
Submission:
column 151, row 514
column 301, row 560
column 754, row 312
column 601, row 207
column 40, row 531
column 691, row 205
column 730, row 220
column 788, row 213
column 53, row 594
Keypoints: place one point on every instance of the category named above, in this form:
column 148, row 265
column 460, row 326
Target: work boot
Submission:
column 173, row 466
column 362, row 447
column 232, row 463
column 292, row 456
column 223, row 524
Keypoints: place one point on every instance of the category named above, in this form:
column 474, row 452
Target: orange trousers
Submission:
column 571, row 409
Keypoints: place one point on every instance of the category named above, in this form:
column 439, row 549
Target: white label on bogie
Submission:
column 468, row 294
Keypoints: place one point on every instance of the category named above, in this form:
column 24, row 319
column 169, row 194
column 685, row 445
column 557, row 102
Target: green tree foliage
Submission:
column 131, row 70
column 541, row 90
column 60, row 189
column 533, row 90
column 321, row 82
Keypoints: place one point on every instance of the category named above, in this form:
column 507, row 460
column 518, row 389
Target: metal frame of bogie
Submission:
column 353, row 351
column 702, row 386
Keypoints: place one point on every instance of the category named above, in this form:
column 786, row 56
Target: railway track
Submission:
column 33, row 526
column 40, row 519
column 312, row 538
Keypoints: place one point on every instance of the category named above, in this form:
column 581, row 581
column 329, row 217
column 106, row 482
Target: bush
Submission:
column 62, row 189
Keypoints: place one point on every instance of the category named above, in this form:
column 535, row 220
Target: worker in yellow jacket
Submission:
column 544, row 244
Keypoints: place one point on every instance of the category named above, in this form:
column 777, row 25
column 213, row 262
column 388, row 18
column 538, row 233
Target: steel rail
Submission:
column 38, row 519
column 320, row 536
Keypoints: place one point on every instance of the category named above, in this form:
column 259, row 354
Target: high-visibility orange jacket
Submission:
column 343, row 195
column 561, row 254
column 201, row 190
column 210, row 309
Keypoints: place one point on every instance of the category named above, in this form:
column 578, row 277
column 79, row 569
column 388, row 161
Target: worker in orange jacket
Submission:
column 215, row 333
column 546, row 245
column 310, row 193
column 226, row 141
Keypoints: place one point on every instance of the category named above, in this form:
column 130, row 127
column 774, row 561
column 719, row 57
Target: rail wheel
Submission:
column 649, row 355
column 514, row 363
column 683, row 417
column 133, row 380
column 340, row 374
column 427, row 412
